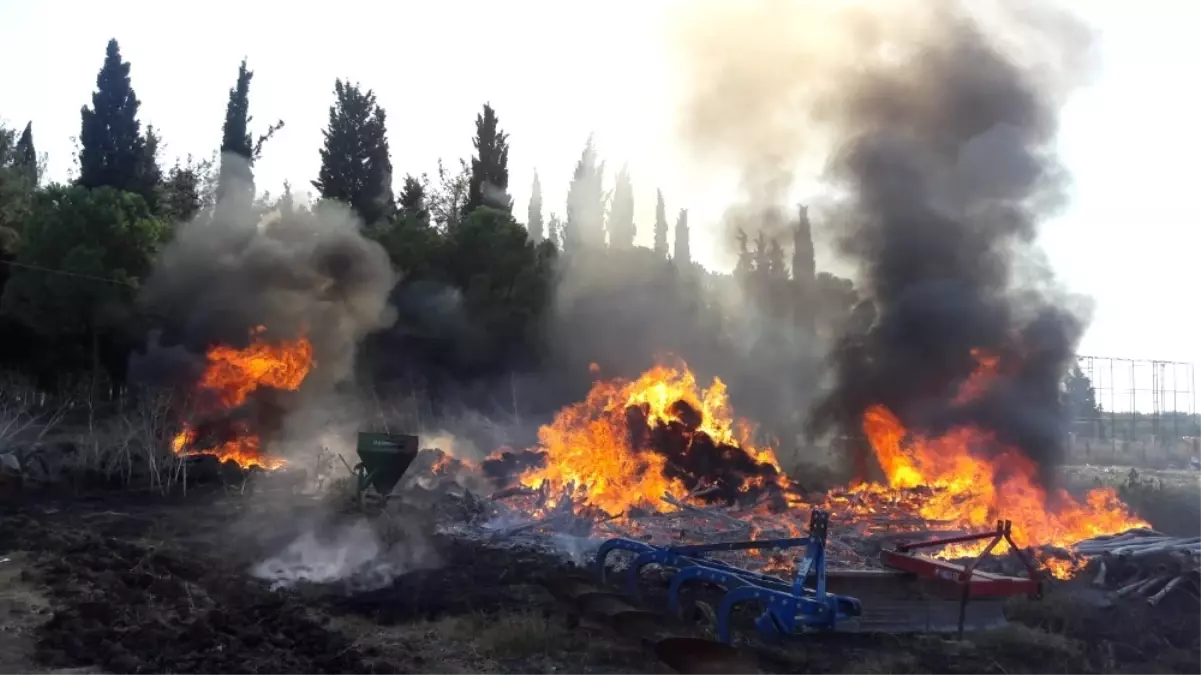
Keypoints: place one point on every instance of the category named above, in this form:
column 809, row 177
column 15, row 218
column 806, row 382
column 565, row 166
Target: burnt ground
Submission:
column 117, row 583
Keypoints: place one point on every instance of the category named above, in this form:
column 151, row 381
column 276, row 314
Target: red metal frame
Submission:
column 972, row 583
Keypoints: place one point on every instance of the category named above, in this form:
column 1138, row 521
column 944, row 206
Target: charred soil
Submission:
column 150, row 585
column 129, row 584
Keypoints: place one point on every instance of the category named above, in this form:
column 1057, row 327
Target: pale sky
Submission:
column 558, row 70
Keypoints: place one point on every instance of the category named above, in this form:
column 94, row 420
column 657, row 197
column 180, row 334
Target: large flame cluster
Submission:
column 590, row 448
column 971, row 480
column 231, row 377
column 962, row 479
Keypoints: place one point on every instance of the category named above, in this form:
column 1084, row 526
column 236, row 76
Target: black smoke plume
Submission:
column 945, row 152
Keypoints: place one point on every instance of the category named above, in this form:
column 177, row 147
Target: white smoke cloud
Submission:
column 354, row 554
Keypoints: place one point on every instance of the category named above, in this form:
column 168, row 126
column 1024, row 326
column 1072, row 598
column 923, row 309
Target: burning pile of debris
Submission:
column 235, row 395
column 662, row 460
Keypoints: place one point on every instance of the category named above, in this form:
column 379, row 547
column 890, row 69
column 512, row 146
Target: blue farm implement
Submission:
column 911, row 593
column 788, row 606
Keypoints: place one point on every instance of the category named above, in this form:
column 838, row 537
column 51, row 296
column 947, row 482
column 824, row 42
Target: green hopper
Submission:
column 384, row 460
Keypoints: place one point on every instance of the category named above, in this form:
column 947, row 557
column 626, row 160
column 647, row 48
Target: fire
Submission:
column 973, row 481
column 962, row 480
column 232, row 376
column 972, row 491
column 588, row 447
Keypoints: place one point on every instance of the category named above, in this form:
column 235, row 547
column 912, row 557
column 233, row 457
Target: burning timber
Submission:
column 1138, row 563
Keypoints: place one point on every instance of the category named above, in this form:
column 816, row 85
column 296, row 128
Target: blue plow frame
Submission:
column 788, row 606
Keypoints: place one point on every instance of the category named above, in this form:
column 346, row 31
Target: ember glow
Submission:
column 229, row 380
column 963, row 480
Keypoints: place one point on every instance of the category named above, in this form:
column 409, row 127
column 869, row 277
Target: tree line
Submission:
column 73, row 255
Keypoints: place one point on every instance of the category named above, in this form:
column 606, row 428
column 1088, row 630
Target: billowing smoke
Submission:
column 307, row 273
column 937, row 122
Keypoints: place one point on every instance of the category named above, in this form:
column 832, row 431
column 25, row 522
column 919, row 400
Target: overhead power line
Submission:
column 66, row 273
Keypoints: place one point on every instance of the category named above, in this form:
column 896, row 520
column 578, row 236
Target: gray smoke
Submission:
column 938, row 122
column 304, row 272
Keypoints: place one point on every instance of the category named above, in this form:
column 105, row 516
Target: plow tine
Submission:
column 603, row 604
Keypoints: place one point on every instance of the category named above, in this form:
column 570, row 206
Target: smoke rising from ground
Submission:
column 937, row 123
column 351, row 553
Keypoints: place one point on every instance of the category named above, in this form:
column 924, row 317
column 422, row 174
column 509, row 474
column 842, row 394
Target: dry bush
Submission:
column 26, row 414
column 133, row 447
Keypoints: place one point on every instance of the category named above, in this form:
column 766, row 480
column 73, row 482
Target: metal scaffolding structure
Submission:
column 1142, row 406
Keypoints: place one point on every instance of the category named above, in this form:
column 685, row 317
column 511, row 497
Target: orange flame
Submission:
column 587, row 446
column 964, row 479
column 233, row 375
column 976, row 481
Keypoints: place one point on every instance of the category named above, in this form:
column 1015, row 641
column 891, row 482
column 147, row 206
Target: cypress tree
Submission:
column 235, row 178
column 804, row 265
column 745, row 268
column 489, row 183
column 534, row 218
column 26, row 158
column 112, row 149
column 660, row 226
column 804, row 269
column 683, row 253
column 621, row 213
column 585, row 225
column 355, row 165
column 554, row 232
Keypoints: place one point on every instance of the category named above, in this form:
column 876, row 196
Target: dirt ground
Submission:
column 118, row 583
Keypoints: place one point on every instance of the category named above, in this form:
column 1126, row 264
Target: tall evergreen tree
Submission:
column 534, row 218
column 149, row 174
column 26, row 159
column 745, row 268
column 804, row 270
column 554, row 232
column 683, row 252
column 112, row 149
column 355, row 165
column 660, row 226
column 621, row 213
column 412, row 200
column 804, row 266
column 585, row 224
column 235, row 178
column 776, row 269
column 761, row 264
column 490, row 165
